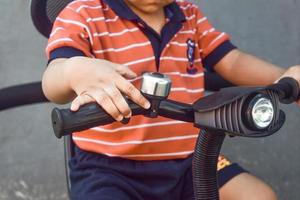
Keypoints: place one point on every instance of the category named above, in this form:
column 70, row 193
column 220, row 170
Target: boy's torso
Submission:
column 120, row 37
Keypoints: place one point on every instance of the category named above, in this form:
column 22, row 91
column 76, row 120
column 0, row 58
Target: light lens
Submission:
column 262, row 112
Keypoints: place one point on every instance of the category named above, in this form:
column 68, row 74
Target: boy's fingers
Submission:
column 80, row 100
column 106, row 103
column 118, row 100
column 125, row 71
column 132, row 92
column 101, row 98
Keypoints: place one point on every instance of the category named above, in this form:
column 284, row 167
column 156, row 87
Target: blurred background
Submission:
column 31, row 158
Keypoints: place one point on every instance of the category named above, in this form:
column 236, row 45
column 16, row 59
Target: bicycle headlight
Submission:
column 260, row 112
column 248, row 112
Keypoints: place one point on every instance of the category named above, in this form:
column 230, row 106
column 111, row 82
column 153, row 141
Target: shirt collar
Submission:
column 173, row 11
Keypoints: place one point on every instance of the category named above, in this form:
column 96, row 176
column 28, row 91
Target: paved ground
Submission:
column 31, row 159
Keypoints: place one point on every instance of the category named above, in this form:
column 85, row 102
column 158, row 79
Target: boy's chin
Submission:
column 149, row 7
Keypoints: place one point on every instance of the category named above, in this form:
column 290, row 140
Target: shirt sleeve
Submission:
column 70, row 36
column 214, row 45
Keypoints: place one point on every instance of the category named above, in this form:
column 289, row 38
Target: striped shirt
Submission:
column 103, row 29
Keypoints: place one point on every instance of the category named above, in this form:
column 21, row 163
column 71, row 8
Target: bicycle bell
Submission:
column 155, row 87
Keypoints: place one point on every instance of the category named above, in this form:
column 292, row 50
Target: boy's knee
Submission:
column 246, row 187
column 267, row 194
column 263, row 193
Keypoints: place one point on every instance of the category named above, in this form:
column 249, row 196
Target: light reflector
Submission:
column 262, row 112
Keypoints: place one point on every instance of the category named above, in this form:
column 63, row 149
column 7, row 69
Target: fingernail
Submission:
column 119, row 118
column 128, row 116
column 147, row 105
column 73, row 107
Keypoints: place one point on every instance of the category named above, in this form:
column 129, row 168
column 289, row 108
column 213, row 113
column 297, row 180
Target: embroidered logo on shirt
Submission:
column 191, row 46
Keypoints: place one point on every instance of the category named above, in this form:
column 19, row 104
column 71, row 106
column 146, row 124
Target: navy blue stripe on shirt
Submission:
column 65, row 52
column 209, row 62
column 220, row 52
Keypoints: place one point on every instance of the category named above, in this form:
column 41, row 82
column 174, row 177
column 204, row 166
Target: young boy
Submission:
column 98, row 50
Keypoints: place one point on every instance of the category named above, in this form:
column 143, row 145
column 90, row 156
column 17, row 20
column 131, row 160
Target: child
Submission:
column 98, row 50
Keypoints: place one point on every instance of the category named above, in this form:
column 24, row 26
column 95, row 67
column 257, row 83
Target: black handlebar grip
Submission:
column 288, row 89
column 65, row 121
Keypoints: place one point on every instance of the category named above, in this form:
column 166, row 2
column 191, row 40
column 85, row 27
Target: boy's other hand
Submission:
column 95, row 80
column 293, row 72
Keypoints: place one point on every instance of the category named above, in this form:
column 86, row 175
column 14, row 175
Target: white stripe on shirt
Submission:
column 190, row 17
column 115, row 34
column 167, row 139
column 59, row 40
column 178, row 59
column 102, row 19
column 187, row 32
column 56, row 30
column 188, row 6
column 123, row 48
column 75, row 1
column 182, row 89
column 175, row 74
column 216, row 39
column 206, row 32
column 199, row 21
column 179, row 153
column 124, row 128
column 89, row 7
column 68, row 21
column 139, row 61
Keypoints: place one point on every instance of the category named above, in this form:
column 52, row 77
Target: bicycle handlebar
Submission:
column 288, row 90
column 20, row 95
column 65, row 121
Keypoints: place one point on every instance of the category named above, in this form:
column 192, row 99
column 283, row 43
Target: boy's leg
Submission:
column 234, row 184
column 98, row 177
column 246, row 187
column 101, row 185
column 93, row 178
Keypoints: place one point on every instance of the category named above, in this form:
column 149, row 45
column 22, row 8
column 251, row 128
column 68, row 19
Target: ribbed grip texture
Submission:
column 65, row 121
column 227, row 116
column 205, row 162
column 289, row 90
column 275, row 101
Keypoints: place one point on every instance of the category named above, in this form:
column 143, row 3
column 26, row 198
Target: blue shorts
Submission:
column 98, row 177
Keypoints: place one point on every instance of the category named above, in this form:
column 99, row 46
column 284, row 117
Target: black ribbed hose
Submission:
column 205, row 162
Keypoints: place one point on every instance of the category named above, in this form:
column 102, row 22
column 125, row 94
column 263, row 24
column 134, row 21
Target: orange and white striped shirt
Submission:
column 103, row 30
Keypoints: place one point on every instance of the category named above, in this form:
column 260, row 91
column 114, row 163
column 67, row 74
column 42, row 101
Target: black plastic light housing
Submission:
column 234, row 115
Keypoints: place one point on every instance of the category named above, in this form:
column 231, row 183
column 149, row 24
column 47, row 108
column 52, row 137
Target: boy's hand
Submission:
column 95, row 80
column 293, row 72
